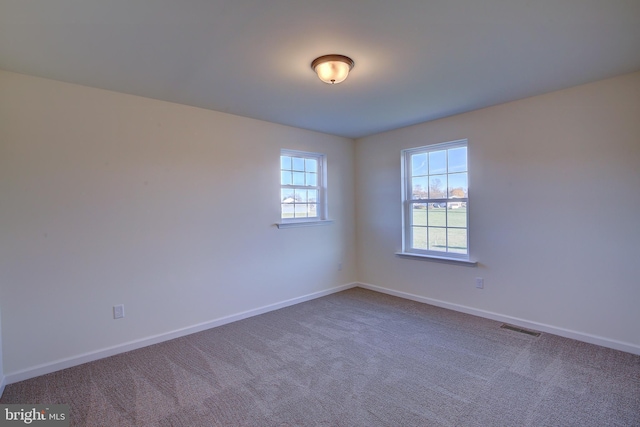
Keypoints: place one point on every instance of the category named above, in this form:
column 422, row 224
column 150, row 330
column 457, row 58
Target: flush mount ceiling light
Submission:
column 332, row 69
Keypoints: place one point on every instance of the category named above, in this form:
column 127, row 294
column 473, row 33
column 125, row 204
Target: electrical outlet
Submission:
column 340, row 266
column 118, row 311
column 479, row 283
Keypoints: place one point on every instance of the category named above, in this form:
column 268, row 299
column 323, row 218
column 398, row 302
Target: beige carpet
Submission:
column 356, row 358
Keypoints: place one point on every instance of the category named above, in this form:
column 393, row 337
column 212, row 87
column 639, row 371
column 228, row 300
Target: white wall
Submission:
column 554, row 216
column 2, row 379
column 115, row 199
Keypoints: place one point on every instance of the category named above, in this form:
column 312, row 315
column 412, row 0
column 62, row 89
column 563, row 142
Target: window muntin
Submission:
column 436, row 200
column 301, row 186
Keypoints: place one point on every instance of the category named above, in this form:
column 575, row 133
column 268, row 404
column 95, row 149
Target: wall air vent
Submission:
column 522, row 331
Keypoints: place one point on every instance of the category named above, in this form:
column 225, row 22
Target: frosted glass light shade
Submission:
column 332, row 69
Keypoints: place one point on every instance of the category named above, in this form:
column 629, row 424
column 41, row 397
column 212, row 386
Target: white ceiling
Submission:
column 415, row 60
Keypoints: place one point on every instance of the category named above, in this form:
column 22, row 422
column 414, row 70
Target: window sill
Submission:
column 294, row 224
column 448, row 260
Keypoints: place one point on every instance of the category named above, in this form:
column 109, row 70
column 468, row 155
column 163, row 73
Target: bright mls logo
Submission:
column 34, row 415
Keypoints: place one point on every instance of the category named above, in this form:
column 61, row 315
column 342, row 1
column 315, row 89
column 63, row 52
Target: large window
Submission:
column 436, row 200
column 302, row 186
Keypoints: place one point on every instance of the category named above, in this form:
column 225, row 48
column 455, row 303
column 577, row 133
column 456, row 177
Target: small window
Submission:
column 436, row 200
column 302, row 189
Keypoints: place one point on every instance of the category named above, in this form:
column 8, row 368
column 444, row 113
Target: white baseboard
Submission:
column 523, row 323
column 57, row 365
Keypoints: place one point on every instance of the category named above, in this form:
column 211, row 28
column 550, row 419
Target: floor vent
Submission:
column 522, row 331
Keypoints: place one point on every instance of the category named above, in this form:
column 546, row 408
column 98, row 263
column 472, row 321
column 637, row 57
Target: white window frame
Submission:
column 408, row 201
column 321, row 202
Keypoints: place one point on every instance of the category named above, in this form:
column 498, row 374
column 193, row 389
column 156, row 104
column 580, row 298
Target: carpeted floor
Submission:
column 356, row 358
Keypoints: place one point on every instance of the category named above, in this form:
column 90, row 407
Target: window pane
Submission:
column 285, row 178
column 419, row 237
column 287, row 210
column 437, row 239
column 419, row 164
column 458, row 185
column 301, row 185
column 419, row 214
column 458, row 240
column 301, row 196
column 457, row 214
column 311, row 165
column 438, row 187
column 458, row 159
column 437, row 215
column 298, row 164
column 420, row 188
column 285, row 162
column 287, row 195
column 298, row 178
column 300, row 211
column 313, row 210
column 437, row 162
column 312, row 179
